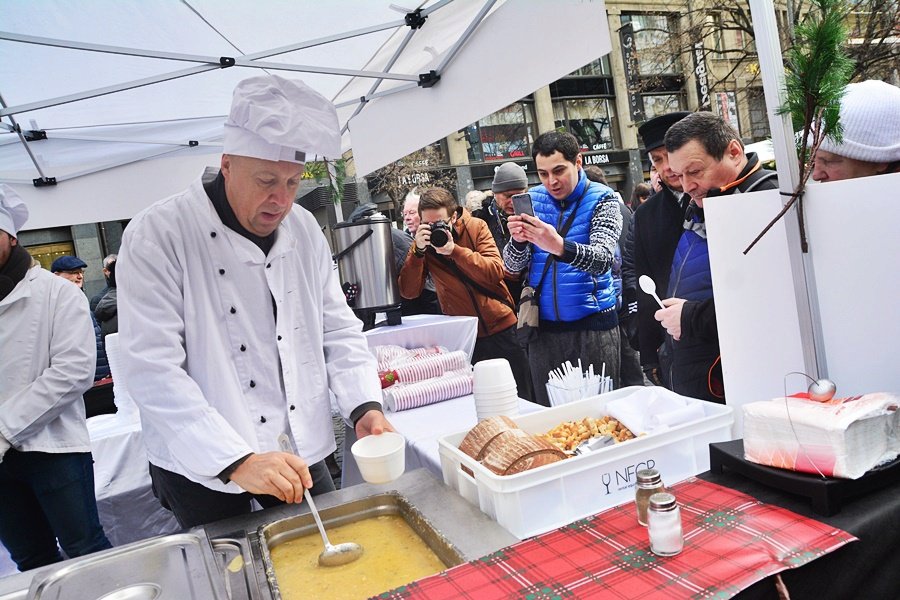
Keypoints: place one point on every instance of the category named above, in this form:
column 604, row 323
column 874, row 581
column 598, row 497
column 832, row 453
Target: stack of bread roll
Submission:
column 499, row 444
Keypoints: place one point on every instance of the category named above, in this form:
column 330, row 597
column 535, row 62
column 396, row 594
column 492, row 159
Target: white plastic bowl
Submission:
column 381, row 458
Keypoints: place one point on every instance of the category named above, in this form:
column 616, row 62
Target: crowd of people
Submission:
column 236, row 336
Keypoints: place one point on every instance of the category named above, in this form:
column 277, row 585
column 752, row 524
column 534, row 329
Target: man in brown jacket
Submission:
column 459, row 252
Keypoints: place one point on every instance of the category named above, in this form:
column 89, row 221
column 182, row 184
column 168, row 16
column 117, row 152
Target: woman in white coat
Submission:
column 233, row 326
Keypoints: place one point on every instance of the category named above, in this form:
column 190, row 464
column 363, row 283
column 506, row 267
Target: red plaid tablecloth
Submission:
column 731, row 541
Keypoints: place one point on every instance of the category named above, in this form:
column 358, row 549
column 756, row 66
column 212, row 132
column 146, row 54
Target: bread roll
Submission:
column 476, row 441
column 511, row 452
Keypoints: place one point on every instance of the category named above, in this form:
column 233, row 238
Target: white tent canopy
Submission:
column 126, row 90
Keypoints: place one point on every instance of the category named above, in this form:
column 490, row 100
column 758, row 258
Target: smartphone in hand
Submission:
column 522, row 204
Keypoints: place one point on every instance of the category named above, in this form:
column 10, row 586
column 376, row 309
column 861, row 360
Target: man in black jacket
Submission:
column 656, row 228
column 708, row 156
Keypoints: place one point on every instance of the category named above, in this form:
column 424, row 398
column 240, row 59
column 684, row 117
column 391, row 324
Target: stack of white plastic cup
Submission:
column 494, row 388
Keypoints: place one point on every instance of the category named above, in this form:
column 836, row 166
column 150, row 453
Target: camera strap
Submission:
column 467, row 281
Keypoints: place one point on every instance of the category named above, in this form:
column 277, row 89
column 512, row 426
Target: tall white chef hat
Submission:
column 280, row 119
column 13, row 212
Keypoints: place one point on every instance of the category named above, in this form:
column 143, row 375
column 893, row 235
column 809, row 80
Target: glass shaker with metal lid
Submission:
column 649, row 482
column 664, row 525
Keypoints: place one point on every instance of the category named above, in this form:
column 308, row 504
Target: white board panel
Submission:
column 756, row 309
column 854, row 233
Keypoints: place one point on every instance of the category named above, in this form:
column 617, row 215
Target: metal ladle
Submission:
column 331, row 556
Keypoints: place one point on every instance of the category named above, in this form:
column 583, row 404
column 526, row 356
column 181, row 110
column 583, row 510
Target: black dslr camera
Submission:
column 440, row 234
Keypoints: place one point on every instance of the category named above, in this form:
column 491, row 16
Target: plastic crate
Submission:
column 542, row 499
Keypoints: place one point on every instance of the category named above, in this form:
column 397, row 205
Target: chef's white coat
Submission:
column 214, row 375
column 48, row 355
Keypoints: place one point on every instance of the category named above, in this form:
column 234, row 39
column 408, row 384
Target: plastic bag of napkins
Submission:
column 844, row 437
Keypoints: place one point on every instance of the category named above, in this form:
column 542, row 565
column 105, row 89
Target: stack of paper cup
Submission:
column 494, row 388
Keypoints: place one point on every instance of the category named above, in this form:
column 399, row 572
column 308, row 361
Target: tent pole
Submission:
column 765, row 29
column 17, row 129
column 381, row 94
column 257, row 64
column 375, row 85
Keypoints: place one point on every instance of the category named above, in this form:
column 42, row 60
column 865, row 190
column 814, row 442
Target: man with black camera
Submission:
column 460, row 254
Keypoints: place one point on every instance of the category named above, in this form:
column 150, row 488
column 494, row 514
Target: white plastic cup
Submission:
column 380, row 458
column 492, row 373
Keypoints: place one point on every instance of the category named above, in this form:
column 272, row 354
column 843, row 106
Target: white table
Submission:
column 128, row 510
column 422, row 427
column 454, row 333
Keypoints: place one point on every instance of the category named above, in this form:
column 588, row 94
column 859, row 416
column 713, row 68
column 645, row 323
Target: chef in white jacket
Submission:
column 47, row 359
column 232, row 323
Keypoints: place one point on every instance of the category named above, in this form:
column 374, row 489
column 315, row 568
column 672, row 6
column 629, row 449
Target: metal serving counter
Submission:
column 466, row 528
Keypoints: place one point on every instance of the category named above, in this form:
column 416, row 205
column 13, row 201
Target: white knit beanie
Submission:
column 870, row 116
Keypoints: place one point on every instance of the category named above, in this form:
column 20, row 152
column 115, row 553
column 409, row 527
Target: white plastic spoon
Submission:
column 649, row 287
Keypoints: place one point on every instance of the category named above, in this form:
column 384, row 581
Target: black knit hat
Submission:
column 653, row 132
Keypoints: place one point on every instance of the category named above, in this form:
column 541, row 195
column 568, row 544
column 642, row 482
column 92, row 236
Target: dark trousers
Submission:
column 551, row 349
column 44, row 498
column 504, row 344
column 195, row 504
column 630, row 371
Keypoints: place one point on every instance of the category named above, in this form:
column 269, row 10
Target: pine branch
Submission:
column 818, row 69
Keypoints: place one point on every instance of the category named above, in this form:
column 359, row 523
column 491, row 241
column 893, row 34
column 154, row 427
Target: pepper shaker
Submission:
column 649, row 482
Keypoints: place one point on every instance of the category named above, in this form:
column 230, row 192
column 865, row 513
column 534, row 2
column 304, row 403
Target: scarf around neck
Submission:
column 14, row 270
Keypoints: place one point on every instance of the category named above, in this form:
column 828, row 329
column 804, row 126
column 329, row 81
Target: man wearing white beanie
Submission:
column 47, row 357
column 870, row 118
column 233, row 327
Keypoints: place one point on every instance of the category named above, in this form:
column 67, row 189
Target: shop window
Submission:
column 655, row 40
column 591, row 120
column 661, row 104
column 47, row 253
column 759, row 119
column 596, row 68
column 725, row 104
column 505, row 134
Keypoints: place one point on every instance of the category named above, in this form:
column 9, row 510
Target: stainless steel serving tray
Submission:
column 390, row 503
column 173, row 567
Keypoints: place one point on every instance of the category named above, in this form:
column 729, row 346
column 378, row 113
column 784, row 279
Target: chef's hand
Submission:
column 423, row 237
column 670, row 316
column 277, row 474
column 525, row 228
column 372, row 423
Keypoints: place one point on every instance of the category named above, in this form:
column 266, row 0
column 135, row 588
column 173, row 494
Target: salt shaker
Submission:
column 649, row 482
column 664, row 525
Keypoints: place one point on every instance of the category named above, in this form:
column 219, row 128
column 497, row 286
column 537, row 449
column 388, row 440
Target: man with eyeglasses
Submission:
column 72, row 268
column 426, row 303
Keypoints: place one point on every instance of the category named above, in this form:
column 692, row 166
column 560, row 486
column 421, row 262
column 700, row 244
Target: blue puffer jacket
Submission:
column 567, row 293
column 691, row 277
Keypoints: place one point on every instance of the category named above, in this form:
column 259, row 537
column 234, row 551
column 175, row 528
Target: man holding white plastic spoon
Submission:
column 707, row 155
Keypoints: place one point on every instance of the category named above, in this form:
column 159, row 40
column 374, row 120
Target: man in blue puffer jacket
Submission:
column 577, row 297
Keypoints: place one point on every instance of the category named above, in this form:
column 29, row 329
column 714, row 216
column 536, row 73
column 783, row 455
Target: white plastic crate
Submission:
column 542, row 499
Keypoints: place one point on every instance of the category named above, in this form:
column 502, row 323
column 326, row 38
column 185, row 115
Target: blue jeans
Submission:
column 48, row 497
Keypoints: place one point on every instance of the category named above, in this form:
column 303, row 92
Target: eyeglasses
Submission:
column 74, row 272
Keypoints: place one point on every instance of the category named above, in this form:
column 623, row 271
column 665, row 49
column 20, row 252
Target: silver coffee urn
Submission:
column 365, row 261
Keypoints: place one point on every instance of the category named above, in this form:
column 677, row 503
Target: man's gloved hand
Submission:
column 652, row 373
